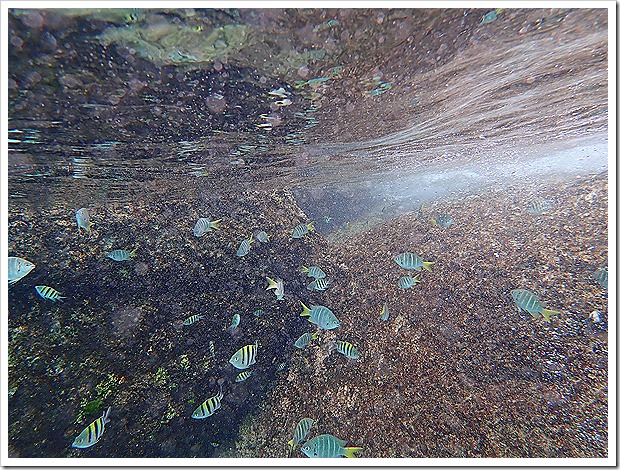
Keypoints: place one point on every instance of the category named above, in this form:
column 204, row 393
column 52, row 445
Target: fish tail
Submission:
column 427, row 265
column 350, row 451
column 547, row 313
column 304, row 269
column 310, row 226
column 133, row 252
column 434, row 221
column 306, row 311
column 215, row 223
column 272, row 284
column 106, row 420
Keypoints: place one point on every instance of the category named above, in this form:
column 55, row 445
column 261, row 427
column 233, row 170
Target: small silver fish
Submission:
column 407, row 281
column 385, row 313
column 83, row 219
column 92, row 433
column 245, row 356
column 318, row 285
column 205, row 225
column 193, row 319
column 122, row 255
column 49, row 293
column 209, row 406
column 313, row 271
column 305, row 339
column 278, row 286
column 595, row 316
column 243, row 376
column 212, row 348
column 302, row 229
column 280, row 92
column 236, row 319
column 262, row 236
column 244, row 247
column 284, row 102
column 18, row 268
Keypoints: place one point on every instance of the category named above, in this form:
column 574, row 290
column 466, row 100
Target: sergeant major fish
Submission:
column 244, row 247
column 407, row 281
column 346, row 349
column 601, row 276
column 262, row 236
column 205, row 225
column 301, row 431
column 328, row 446
column 321, row 316
column 313, row 271
column 192, row 319
column 305, row 339
column 92, row 433
column 245, row 356
column 209, row 406
column 243, row 376
column 412, row 261
column 212, row 348
column 49, row 293
column 527, row 301
column 122, row 255
column 82, row 216
column 17, row 268
column 278, row 286
column 385, row 313
column 302, row 229
column 318, row 285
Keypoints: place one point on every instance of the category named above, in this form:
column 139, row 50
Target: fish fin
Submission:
column 306, row 311
column 215, row 223
column 310, row 226
column 272, row 284
column 546, row 313
column 106, row 420
column 350, row 451
column 427, row 265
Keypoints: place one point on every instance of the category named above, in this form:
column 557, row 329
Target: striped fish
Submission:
column 18, row 268
column 385, row 313
column 262, row 236
column 302, row 229
column 49, row 293
column 407, row 281
column 92, row 433
column 236, row 319
column 305, row 339
column 527, row 301
column 301, row 431
column 244, row 247
column 313, row 271
column 318, row 284
column 328, row 446
column 243, row 376
column 212, row 348
column 277, row 285
column 209, row 406
column 258, row 313
column 601, row 276
column 320, row 316
column 122, row 255
column 412, row 261
column 82, row 216
column 539, row 206
column 281, row 366
column 347, row 350
column 193, row 319
column 205, row 225
column 244, row 357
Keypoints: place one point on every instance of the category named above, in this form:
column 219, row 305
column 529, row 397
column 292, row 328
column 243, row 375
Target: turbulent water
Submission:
column 153, row 117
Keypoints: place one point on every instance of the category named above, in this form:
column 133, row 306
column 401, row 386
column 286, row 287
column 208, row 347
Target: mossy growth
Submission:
column 161, row 376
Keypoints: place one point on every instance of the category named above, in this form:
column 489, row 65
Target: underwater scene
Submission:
column 307, row 232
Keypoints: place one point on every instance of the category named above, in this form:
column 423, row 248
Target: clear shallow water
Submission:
column 119, row 111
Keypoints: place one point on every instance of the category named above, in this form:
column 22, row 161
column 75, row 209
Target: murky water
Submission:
column 265, row 119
